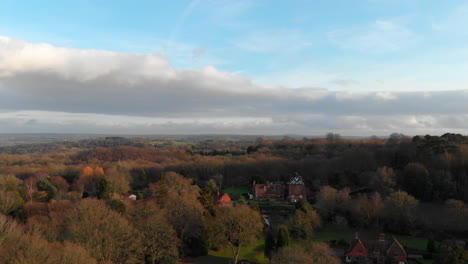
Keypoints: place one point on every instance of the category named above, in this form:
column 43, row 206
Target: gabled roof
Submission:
column 296, row 180
column 396, row 245
column 358, row 246
column 391, row 249
column 225, row 198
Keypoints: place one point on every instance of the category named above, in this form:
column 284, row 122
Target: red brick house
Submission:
column 293, row 190
column 376, row 251
column 270, row 190
column 296, row 189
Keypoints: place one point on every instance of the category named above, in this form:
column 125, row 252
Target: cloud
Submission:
column 382, row 36
column 44, row 88
column 346, row 82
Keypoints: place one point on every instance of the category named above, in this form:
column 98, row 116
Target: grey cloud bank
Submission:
column 51, row 89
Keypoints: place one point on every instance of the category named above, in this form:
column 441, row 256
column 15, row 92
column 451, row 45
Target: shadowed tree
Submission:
column 270, row 244
column 237, row 226
column 159, row 239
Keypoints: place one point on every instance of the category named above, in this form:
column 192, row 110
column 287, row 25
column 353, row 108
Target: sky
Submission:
column 267, row 67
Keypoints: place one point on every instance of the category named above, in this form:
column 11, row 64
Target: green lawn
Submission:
column 238, row 191
column 325, row 235
column 413, row 242
column 252, row 253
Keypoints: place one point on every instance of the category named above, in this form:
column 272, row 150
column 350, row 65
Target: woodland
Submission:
column 67, row 202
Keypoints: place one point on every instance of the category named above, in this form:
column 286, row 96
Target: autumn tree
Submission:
column 327, row 200
column 103, row 232
column 10, row 194
column 399, row 212
column 367, row 210
column 303, row 223
column 10, row 232
column 61, row 184
column 9, row 201
column 89, row 180
column 237, row 226
column 402, row 201
column 452, row 255
column 180, row 198
column 74, row 254
column 159, row 239
column 384, row 180
column 119, row 179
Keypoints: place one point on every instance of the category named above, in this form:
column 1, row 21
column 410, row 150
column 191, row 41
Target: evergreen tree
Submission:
column 45, row 185
column 104, row 189
column 270, row 245
column 431, row 245
column 283, row 237
column 303, row 206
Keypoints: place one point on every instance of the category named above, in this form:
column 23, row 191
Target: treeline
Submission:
column 107, row 142
column 431, row 168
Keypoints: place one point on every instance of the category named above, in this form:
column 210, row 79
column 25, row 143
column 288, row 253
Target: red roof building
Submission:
column 225, row 199
column 293, row 190
column 376, row 251
column 296, row 189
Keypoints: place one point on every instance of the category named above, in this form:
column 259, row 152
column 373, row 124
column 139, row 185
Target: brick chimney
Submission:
column 356, row 235
column 381, row 237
